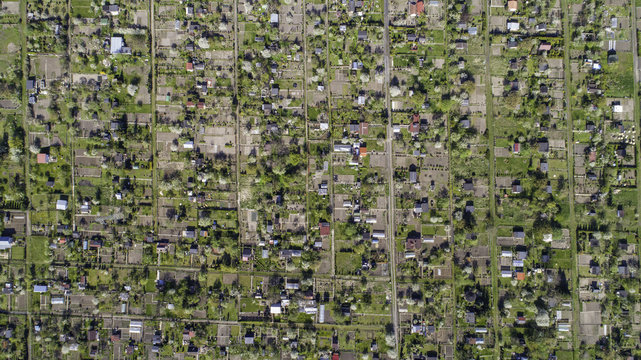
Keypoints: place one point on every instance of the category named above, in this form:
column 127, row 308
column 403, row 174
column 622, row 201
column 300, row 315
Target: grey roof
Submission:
column 544, row 146
column 413, row 176
column 544, row 166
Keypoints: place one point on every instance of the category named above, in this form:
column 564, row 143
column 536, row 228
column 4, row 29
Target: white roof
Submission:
column 275, row 308
column 61, row 204
column 116, row 44
column 5, row 242
column 57, row 301
column 273, row 18
column 321, row 317
column 517, row 263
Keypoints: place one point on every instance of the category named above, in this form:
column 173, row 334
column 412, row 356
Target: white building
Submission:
column 275, row 309
column 135, row 327
column 117, row 46
column 6, row 242
column 62, row 204
column 57, row 301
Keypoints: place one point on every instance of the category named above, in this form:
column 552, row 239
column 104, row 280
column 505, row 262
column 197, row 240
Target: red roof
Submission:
column 190, row 104
column 42, row 158
column 363, row 151
column 420, row 7
column 415, row 125
column 324, row 228
column 335, row 356
column 412, row 244
column 520, row 276
column 516, row 148
column 545, row 46
column 189, row 67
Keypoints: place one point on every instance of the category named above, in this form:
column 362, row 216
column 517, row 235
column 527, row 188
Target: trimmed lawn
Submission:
column 38, row 249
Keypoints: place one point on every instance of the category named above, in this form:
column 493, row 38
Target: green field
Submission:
column 38, row 249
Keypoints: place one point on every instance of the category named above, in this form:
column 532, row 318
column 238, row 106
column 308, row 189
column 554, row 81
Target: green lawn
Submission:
column 82, row 8
column 347, row 263
column 561, row 259
column 513, row 166
column 17, row 253
column 621, row 79
column 37, row 249
column 9, row 35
